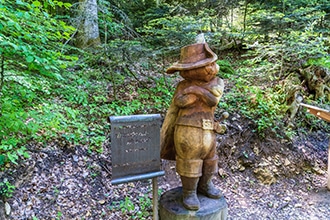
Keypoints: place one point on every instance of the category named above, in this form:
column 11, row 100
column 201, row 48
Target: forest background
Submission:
column 66, row 66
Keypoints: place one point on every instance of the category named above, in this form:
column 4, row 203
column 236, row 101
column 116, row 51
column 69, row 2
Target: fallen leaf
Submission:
column 222, row 172
column 319, row 170
column 286, row 162
column 298, row 205
column 101, row 202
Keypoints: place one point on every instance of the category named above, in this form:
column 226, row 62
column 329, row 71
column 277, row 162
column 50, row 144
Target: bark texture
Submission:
column 88, row 34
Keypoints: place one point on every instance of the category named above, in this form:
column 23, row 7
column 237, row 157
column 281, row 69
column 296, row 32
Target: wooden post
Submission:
column 328, row 185
column 155, row 198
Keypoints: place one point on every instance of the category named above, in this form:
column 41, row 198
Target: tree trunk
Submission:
column 88, row 34
column 245, row 14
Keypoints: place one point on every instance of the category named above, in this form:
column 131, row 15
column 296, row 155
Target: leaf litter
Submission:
column 75, row 183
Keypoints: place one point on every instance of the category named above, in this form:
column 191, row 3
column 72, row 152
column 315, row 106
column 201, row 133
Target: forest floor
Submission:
column 266, row 178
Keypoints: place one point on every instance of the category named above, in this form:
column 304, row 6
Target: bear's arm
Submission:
column 184, row 100
column 206, row 96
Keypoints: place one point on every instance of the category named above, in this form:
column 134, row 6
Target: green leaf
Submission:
column 19, row 2
column 67, row 5
column 29, row 59
column 22, row 152
column 7, row 43
column 2, row 159
column 12, row 157
column 36, row 3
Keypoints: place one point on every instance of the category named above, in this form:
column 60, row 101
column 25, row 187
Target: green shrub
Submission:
column 6, row 189
column 31, row 53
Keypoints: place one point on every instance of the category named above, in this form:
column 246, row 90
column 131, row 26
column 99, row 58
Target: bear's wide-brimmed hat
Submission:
column 193, row 56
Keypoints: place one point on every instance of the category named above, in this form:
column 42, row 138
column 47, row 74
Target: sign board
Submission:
column 135, row 147
column 318, row 112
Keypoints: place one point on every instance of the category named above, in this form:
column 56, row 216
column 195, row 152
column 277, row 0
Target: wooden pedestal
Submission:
column 171, row 207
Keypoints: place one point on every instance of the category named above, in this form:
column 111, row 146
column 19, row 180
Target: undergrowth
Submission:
column 259, row 94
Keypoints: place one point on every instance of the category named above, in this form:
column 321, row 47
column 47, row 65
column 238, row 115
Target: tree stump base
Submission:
column 171, row 207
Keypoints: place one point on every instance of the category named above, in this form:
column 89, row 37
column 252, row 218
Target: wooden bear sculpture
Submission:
column 189, row 130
